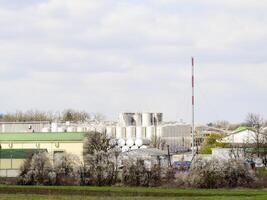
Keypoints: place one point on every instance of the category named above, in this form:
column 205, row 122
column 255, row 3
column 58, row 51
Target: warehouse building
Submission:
column 13, row 127
column 16, row 146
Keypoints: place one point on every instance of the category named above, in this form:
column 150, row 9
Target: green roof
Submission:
column 42, row 136
column 18, row 153
column 242, row 128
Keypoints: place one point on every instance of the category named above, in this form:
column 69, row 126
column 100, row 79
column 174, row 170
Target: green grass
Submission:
column 262, row 171
column 221, row 194
column 57, row 197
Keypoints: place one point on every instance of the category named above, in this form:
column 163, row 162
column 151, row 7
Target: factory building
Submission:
column 15, row 146
column 176, row 135
column 133, row 127
column 13, row 127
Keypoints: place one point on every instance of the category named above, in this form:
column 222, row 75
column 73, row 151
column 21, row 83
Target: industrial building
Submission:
column 13, row 127
column 133, row 131
column 15, row 146
column 133, row 127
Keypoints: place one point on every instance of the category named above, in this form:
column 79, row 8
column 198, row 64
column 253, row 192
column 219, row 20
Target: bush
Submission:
column 135, row 173
column 100, row 160
column 67, row 169
column 35, row 170
column 219, row 173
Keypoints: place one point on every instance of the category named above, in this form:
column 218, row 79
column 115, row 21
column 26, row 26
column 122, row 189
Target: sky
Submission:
column 112, row 56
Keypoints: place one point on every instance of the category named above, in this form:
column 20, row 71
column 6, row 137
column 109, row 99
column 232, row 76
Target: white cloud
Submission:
column 111, row 56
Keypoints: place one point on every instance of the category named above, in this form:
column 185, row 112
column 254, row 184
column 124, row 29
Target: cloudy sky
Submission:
column 111, row 56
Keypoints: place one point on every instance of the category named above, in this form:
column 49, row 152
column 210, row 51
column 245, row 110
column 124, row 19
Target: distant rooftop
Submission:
column 242, row 128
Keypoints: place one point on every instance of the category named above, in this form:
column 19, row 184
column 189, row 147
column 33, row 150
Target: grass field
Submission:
column 108, row 193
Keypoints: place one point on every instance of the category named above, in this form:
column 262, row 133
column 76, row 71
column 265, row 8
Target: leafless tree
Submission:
column 37, row 170
column 100, row 156
column 75, row 115
column 30, row 115
column 98, row 117
column 222, row 124
column 256, row 122
column 68, row 169
column 158, row 142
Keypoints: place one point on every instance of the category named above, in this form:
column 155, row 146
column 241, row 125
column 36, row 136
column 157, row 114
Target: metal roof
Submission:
column 68, row 136
column 18, row 153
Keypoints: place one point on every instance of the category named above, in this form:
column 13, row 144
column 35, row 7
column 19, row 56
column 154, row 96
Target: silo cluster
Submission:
column 135, row 129
column 132, row 144
column 140, row 119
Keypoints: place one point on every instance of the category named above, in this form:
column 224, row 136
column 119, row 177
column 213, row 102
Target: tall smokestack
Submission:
column 193, row 109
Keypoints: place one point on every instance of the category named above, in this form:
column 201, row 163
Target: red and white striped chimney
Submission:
column 193, row 109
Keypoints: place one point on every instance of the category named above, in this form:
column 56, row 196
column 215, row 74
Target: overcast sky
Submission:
column 111, row 56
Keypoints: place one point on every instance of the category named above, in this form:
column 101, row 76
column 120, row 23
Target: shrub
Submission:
column 100, row 160
column 219, row 173
column 35, row 170
column 135, row 174
column 67, row 169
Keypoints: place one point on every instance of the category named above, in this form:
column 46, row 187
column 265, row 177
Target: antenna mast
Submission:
column 193, row 109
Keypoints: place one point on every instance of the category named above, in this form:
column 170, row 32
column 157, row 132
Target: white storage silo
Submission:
column 146, row 119
column 130, row 132
column 140, row 132
column 121, row 142
column 130, row 142
column 138, row 119
column 157, row 118
column 140, row 142
column 120, row 132
column 125, row 148
column 150, row 131
column 143, row 147
column 126, row 119
column 134, row 147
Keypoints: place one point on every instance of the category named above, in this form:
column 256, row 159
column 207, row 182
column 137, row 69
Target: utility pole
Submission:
column 193, row 108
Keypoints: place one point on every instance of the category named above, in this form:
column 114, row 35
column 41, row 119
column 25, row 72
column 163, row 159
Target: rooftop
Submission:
column 69, row 136
column 18, row 153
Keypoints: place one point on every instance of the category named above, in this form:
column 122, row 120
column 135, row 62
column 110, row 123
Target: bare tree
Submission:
column 256, row 122
column 37, row 170
column 68, row 169
column 98, row 117
column 158, row 142
column 75, row 115
column 100, row 156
